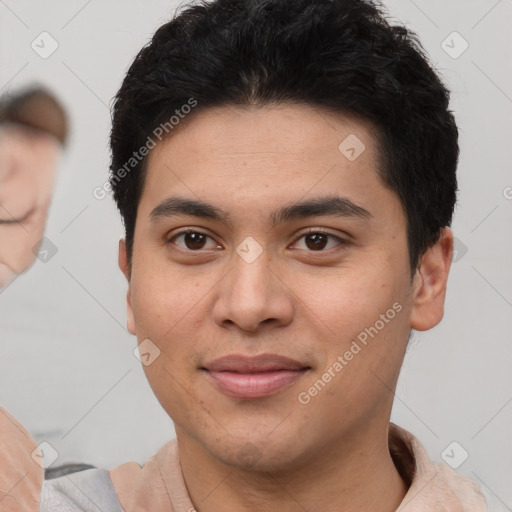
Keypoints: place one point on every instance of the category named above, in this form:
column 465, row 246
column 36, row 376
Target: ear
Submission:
column 124, row 265
column 429, row 283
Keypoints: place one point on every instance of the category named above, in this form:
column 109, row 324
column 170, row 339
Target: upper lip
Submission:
column 245, row 364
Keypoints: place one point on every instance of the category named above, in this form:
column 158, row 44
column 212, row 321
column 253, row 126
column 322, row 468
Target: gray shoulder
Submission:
column 85, row 491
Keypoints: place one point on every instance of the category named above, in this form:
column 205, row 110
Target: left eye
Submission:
column 313, row 241
column 318, row 240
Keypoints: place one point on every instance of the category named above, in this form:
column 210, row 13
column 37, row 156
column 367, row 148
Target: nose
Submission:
column 252, row 295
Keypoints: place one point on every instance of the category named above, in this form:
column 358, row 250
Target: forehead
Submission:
column 273, row 130
column 263, row 157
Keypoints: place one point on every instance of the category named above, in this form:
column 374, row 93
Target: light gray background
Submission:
column 67, row 369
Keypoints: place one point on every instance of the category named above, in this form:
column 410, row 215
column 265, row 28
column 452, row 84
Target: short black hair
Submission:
column 340, row 55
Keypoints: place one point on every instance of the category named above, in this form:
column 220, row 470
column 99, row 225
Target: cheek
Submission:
column 170, row 311
column 164, row 309
column 173, row 390
column 347, row 301
column 362, row 319
column 160, row 300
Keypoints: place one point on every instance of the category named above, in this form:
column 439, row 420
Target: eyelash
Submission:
column 310, row 231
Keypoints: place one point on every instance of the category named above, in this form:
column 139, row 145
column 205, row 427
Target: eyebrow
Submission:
column 327, row 205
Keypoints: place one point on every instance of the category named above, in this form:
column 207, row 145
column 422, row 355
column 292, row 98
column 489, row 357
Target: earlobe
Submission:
column 124, row 265
column 429, row 284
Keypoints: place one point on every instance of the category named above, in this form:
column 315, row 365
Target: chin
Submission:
column 257, row 453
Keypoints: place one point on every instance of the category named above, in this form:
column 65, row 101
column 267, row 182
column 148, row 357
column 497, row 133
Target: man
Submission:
column 285, row 171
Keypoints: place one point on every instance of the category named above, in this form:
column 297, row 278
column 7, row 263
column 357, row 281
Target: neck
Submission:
column 355, row 474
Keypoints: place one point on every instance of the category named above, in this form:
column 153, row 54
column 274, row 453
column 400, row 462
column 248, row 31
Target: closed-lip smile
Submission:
column 259, row 376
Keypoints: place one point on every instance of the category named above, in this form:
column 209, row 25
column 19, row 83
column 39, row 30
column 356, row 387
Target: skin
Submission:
column 28, row 165
column 198, row 304
column 21, row 478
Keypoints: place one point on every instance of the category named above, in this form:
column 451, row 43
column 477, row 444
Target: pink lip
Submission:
column 254, row 377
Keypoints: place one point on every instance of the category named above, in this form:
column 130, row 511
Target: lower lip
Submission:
column 254, row 385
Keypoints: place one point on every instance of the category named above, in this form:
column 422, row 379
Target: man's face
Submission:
column 245, row 286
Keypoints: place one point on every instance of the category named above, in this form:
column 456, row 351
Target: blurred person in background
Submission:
column 33, row 132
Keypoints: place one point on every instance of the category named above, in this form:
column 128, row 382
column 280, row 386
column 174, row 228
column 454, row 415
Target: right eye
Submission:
column 192, row 240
